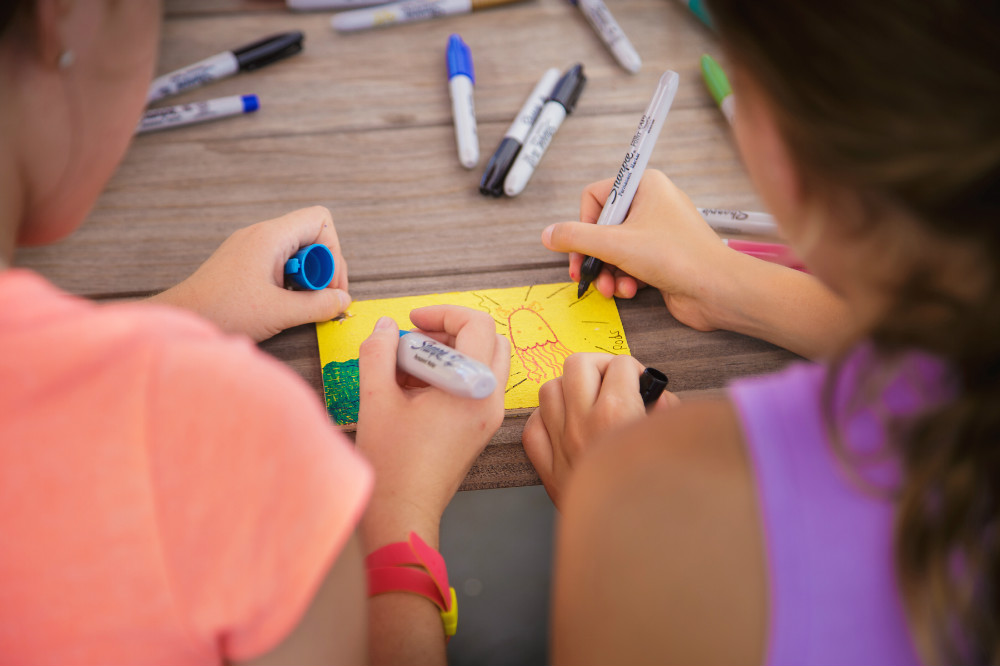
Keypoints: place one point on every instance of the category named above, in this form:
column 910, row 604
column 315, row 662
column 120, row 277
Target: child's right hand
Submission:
column 422, row 441
column 664, row 242
column 595, row 394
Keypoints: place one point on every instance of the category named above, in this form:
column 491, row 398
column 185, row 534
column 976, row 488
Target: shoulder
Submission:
column 660, row 551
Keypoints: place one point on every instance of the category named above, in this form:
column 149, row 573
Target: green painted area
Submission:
column 342, row 390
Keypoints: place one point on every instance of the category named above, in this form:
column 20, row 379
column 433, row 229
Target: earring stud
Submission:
column 66, row 59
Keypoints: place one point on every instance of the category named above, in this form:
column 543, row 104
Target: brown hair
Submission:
column 899, row 102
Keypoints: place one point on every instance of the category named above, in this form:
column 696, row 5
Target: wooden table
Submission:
column 361, row 123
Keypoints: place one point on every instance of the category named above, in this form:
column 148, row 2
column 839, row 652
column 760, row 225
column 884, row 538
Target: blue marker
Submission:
column 460, row 81
column 197, row 112
column 311, row 267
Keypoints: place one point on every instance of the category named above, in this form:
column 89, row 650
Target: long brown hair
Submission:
column 899, row 101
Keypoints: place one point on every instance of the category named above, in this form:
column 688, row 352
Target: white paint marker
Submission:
column 197, row 112
column 407, row 11
column 611, row 33
column 461, row 80
column 550, row 118
column 313, row 5
column 739, row 221
column 443, row 367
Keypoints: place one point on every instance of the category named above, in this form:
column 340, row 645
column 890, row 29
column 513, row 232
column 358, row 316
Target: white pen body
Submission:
column 443, row 367
column 188, row 114
column 407, row 11
column 311, row 5
column 611, row 34
column 204, row 71
column 463, row 111
column 526, row 117
column 550, row 118
column 739, row 221
column 638, row 152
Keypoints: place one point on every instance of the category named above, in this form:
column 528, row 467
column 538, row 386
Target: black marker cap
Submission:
column 270, row 49
column 498, row 166
column 651, row 385
column 569, row 87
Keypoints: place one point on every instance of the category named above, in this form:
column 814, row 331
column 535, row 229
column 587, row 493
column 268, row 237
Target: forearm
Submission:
column 786, row 307
column 404, row 628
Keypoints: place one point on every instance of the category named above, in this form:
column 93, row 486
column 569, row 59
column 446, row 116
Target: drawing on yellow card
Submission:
column 544, row 323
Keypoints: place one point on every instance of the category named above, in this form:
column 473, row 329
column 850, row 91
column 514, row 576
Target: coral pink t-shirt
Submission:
column 168, row 495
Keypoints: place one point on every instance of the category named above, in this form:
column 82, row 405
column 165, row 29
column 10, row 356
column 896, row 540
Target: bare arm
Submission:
column 660, row 554
column 665, row 243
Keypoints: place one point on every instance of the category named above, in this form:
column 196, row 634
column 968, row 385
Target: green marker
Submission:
column 718, row 85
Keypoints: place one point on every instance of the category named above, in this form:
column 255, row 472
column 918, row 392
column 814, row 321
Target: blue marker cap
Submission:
column 311, row 267
column 250, row 103
column 459, row 58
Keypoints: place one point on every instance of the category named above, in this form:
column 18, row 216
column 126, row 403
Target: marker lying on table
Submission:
column 310, row 5
column 611, row 33
column 407, row 11
column 461, row 79
column 718, row 85
column 439, row 365
column 651, row 385
column 499, row 164
column 772, row 252
column 244, row 59
column 197, row 112
column 312, row 267
column 559, row 105
column 739, row 221
column 630, row 172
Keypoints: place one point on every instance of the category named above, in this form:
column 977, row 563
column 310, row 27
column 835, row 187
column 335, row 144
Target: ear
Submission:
column 50, row 18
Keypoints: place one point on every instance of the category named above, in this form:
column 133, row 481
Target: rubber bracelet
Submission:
column 391, row 569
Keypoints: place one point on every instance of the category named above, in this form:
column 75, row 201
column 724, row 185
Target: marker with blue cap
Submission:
column 312, row 267
column 461, row 79
column 198, row 112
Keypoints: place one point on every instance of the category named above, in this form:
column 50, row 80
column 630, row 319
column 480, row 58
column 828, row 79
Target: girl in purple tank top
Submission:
column 842, row 511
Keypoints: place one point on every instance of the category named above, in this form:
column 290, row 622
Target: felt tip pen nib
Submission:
column 582, row 289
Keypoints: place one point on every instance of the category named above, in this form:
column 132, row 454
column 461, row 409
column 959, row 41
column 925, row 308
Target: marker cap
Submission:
column 498, row 166
column 715, row 79
column 569, row 87
column 250, row 103
column 270, row 49
column 699, row 9
column 311, row 267
column 651, row 385
column 459, row 58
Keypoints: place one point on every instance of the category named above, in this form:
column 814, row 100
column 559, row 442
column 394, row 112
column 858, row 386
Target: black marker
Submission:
column 244, row 59
column 651, row 385
column 499, row 164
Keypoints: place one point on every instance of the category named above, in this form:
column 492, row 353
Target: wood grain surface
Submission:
column 361, row 123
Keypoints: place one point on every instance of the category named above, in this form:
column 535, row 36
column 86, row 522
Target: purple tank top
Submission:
column 829, row 535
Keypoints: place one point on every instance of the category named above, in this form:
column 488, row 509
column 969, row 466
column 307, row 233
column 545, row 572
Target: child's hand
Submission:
column 241, row 286
column 422, row 441
column 664, row 242
column 596, row 393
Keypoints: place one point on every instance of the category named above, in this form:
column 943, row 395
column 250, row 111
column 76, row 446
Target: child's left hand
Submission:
column 241, row 286
column 596, row 393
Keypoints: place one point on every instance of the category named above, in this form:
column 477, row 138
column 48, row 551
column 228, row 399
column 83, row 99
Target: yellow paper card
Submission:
column 545, row 323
